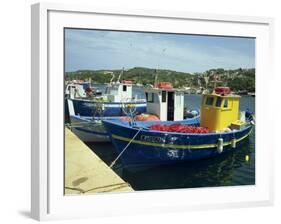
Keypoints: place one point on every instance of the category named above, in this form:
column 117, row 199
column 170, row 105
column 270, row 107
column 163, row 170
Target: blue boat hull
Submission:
column 88, row 108
column 152, row 148
column 93, row 130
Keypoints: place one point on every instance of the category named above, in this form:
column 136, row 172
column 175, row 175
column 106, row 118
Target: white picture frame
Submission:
column 48, row 201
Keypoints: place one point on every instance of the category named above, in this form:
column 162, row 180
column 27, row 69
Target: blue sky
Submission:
column 95, row 49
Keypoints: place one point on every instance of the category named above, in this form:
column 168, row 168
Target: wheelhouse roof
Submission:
column 223, row 96
column 157, row 90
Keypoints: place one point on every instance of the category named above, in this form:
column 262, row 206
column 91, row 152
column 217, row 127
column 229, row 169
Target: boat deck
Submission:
column 85, row 172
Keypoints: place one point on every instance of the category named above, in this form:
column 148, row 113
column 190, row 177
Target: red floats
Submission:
column 179, row 128
column 165, row 85
column 128, row 82
column 222, row 90
column 88, row 90
column 142, row 117
column 147, row 117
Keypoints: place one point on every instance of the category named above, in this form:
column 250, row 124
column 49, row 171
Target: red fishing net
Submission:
column 179, row 128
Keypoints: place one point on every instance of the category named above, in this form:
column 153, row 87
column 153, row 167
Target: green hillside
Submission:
column 238, row 79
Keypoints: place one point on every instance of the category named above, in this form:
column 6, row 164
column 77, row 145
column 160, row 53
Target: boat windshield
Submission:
column 218, row 103
column 112, row 90
column 86, row 85
column 209, row 100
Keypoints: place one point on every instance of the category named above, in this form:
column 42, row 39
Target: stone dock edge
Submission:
column 85, row 172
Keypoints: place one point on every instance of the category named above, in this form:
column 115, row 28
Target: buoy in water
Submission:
column 247, row 158
column 220, row 145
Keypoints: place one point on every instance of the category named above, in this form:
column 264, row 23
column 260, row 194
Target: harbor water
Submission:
column 228, row 169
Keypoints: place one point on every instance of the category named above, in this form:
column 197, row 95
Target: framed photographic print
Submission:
column 138, row 111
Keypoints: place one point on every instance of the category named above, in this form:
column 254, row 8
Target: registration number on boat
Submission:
column 154, row 139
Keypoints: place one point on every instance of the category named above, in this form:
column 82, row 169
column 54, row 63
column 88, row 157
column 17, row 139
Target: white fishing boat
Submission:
column 117, row 95
column 163, row 103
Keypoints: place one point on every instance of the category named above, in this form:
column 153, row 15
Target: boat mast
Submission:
column 112, row 78
column 216, row 79
column 156, row 78
column 121, row 73
column 156, row 70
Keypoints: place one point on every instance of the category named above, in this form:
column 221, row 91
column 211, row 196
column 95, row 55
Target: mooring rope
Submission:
column 113, row 163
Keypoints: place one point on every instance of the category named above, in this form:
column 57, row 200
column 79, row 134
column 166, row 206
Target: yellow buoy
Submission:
column 247, row 158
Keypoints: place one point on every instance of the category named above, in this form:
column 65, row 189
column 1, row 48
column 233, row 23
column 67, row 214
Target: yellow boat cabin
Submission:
column 220, row 110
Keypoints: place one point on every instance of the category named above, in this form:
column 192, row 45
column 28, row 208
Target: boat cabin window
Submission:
column 178, row 99
column 113, row 90
column 149, row 97
column 218, row 103
column 164, row 96
column 106, row 90
column 209, row 100
column 225, row 104
column 124, row 88
column 86, row 85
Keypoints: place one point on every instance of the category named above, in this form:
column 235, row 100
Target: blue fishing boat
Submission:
column 141, row 144
column 90, row 102
column 117, row 96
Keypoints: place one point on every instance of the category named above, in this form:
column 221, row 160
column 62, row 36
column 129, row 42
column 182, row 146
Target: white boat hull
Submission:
column 89, row 132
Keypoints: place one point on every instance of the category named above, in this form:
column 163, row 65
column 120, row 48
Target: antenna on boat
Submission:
column 112, row 78
column 157, row 69
column 206, row 79
column 156, row 78
column 121, row 73
column 90, row 81
column 216, row 79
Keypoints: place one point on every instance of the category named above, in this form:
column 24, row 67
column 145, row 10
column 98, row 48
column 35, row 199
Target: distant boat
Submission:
column 252, row 94
column 77, row 89
column 148, row 86
column 220, row 128
column 242, row 92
